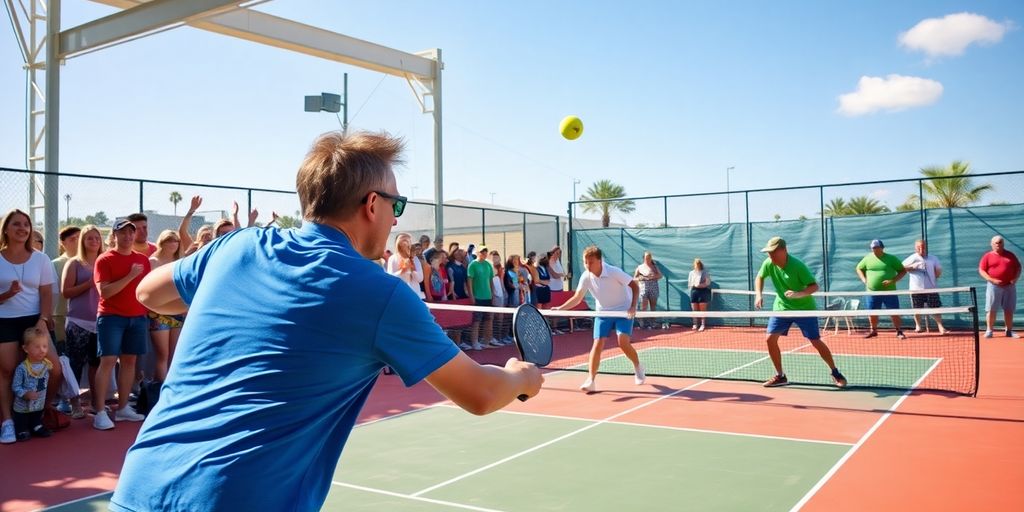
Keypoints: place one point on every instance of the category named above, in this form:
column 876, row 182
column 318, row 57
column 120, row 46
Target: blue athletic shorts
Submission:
column 877, row 301
column 603, row 326
column 807, row 325
column 118, row 335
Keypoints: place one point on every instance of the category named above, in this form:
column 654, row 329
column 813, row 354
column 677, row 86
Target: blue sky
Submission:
column 670, row 93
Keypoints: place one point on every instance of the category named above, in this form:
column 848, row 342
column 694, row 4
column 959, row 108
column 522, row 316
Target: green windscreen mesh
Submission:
column 957, row 236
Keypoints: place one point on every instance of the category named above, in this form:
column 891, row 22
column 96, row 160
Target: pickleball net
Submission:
column 731, row 346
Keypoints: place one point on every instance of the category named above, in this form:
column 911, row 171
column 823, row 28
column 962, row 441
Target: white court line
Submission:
column 72, row 502
column 737, row 434
column 414, row 497
column 821, row 483
column 872, row 356
column 584, row 429
column 403, row 413
column 666, row 427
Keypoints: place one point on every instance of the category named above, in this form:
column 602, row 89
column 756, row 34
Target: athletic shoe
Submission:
column 128, row 414
column 64, row 406
column 495, row 343
column 695, row 327
column 7, row 433
column 638, row 375
column 477, row 346
column 871, row 334
column 838, row 378
column 1011, row 334
column 988, row 334
column 701, row 329
column 465, row 346
column 918, row 329
column 77, row 413
column 900, row 335
column 588, row 385
column 776, row 381
column 41, row 431
column 102, row 421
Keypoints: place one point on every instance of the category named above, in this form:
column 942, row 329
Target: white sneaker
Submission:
column 128, row 414
column 495, row 343
column 701, row 329
column 102, row 422
column 7, row 433
column 588, row 385
column 477, row 346
column 465, row 346
column 988, row 334
column 639, row 376
column 695, row 327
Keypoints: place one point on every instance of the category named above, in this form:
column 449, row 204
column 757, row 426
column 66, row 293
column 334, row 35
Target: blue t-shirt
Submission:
column 286, row 334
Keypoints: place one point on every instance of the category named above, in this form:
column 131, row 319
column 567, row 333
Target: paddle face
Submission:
column 532, row 335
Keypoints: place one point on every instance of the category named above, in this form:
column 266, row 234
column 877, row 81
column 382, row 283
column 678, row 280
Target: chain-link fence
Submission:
column 85, row 199
column 829, row 227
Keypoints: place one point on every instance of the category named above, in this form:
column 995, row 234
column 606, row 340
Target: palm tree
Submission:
column 864, row 205
column 836, row 208
column 945, row 188
column 945, row 191
column 175, row 198
column 603, row 191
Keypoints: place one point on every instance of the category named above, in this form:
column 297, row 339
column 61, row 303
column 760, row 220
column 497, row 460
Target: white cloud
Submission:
column 892, row 93
column 952, row 34
column 880, row 193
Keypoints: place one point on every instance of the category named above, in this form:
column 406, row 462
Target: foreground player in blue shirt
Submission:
column 286, row 334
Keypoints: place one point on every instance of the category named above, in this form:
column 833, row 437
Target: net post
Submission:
column 570, row 241
column 921, row 211
column 824, row 243
column 750, row 249
column 622, row 247
column 525, row 251
column 977, row 341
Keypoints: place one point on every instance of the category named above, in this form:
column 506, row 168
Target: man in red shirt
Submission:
column 1001, row 269
column 121, row 324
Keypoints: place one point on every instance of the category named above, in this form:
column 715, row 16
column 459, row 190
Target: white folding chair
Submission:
column 837, row 304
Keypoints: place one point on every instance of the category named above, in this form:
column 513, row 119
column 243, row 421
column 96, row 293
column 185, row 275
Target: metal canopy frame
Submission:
column 45, row 47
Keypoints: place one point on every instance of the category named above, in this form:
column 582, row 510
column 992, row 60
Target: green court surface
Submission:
column 441, row 458
column 754, row 365
column 536, row 462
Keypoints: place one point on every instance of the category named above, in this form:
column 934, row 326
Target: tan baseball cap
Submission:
column 774, row 243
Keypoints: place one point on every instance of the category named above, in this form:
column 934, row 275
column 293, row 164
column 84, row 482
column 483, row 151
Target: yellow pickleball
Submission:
column 571, row 127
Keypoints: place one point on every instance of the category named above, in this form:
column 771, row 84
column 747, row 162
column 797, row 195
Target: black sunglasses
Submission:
column 398, row 202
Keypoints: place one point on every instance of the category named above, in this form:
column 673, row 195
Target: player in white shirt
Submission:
column 613, row 290
column 924, row 271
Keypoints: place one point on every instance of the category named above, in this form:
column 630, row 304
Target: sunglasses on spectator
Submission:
column 398, row 202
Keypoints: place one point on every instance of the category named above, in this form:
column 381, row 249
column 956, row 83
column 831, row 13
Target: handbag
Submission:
column 69, row 384
column 55, row 420
column 149, row 394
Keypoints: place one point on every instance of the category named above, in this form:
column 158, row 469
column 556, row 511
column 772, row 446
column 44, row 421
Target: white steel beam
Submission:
column 301, row 38
column 143, row 18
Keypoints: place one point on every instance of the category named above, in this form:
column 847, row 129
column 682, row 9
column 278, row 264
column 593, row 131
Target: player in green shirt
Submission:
column 794, row 284
column 880, row 271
